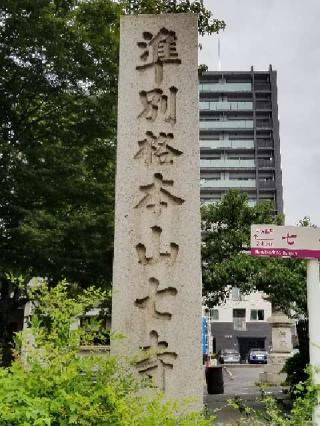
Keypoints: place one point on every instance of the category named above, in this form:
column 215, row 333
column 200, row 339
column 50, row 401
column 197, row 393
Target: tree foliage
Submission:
column 227, row 263
column 206, row 23
column 55, row 386
column 58, row 86
column 59, row 66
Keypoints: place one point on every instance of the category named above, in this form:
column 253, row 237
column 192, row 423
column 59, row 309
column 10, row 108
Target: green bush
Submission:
column 273, row 413
column 50, row 384
column 295, row 368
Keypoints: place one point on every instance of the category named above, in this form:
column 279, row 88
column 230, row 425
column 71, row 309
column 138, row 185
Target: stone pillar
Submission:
column 281, row 348
column 27, row 344
column 157, row 270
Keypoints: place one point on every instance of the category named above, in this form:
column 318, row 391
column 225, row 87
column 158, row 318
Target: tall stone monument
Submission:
column 157, row 274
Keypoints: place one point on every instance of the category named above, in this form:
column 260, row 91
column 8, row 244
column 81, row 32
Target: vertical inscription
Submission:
column 159, row 105
column 157, row 281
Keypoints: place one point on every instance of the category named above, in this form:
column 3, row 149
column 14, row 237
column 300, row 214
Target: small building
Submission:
column 241, row 323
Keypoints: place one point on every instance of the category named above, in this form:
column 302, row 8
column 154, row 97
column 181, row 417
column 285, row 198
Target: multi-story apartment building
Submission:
column 240, row 148
column 239, row 135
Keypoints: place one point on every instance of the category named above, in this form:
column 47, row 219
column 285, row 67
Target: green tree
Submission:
column 58, row 86
column 53, row 385
column 227, row 262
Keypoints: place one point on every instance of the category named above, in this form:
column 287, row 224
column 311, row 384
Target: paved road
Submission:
column 240, row 381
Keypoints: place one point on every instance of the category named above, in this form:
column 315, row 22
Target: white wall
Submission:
column 251, row 301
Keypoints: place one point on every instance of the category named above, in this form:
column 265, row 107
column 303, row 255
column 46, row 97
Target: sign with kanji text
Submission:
column 285, row 241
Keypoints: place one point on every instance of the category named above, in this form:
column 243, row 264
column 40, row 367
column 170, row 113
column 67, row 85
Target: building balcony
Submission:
column 262, row 87
column 265, row 163
column 265, row 144
column 227, row 143
column 227, row 164
column 225, row 87
column 227, row 183
column 263, row 106
column 264, row 124
column 226, row 124
column 225, row 106
column 266, row 184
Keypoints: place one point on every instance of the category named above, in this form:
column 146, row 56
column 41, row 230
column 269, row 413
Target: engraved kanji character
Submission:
column 157, row 150
column 157, row 360
column 157, row 254
column 156, row 103
column 158, row 50
column 157, row 195
column 149, row 303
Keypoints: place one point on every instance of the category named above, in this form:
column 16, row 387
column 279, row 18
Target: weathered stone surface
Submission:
column 281, row 332
column 157, row 274
column 281, row 348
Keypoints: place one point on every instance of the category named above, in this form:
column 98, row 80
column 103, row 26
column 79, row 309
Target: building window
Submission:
column 239, row 319
column 257, row 315
column 239, row 313
column 214, row 314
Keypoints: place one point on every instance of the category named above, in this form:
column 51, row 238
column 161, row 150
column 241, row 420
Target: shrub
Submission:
column 52, row 385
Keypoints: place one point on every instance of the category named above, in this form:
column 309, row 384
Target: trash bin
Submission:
column 214, row 379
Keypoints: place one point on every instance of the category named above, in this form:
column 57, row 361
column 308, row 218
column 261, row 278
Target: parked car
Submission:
column 228, row 356
column 257, row 356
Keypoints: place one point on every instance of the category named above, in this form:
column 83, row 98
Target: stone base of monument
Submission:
column 272, row 373
column 281, row 345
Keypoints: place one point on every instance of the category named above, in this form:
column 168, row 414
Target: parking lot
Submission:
column 239, row 380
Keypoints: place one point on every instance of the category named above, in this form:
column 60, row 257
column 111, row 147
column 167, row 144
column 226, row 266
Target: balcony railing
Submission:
column 227, row 183
column 265, row 163
column 267, row 184
column 265, row 143
column 263, row 105
column 262, row 86
column 209, row 202
column 225, row 87
column 226, row 163
column 226, row 124
column 227, row 143
column 264, row 124
column 225, row 106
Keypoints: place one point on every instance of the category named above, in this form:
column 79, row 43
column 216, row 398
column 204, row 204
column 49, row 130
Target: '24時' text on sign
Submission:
column 285, row 241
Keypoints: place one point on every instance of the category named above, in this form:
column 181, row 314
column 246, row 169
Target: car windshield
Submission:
column 258, row 350
column 230, row 352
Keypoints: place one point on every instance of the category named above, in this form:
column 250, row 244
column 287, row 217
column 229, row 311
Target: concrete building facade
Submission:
column 240, row 148
column 239, row 136
column 241, row 323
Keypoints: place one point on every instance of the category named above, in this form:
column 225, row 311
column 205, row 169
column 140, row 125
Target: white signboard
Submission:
column 285, row 241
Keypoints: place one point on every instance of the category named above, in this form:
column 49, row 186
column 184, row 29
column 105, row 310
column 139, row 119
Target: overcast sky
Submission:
column 286, row 34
